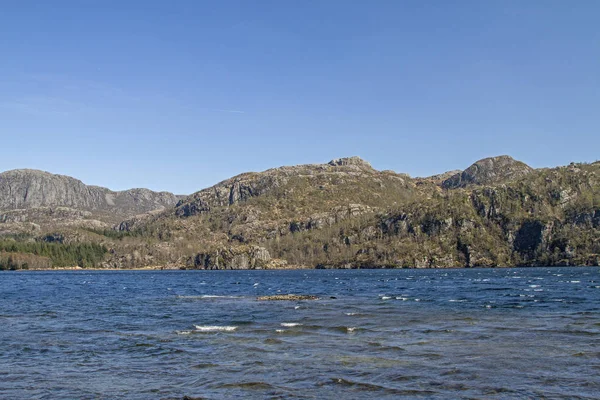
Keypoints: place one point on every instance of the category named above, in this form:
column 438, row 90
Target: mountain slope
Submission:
column 26, row 189
column 346, row 214
column 342, row 214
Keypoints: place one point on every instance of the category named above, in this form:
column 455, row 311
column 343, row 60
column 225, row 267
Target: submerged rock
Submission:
column 287, row 297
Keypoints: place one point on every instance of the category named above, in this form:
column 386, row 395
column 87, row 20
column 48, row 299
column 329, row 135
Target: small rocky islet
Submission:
column 287, row 297
column 498, row 212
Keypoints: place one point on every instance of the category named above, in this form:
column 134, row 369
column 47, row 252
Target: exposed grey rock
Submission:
column 287, row 297
column 488, row 171
column 29, row 189
column 356, row 161
column 337, row 214
column 242, row 257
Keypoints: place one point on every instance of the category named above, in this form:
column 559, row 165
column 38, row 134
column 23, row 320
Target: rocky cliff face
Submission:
column 488, row 171
column 28, row 189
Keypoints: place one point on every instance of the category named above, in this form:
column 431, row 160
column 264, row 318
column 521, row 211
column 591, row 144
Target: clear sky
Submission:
column 178, row 95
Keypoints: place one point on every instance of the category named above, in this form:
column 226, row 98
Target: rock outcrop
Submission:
column 488, row 171
column 287, row 297
column 241, row 257
column 27, row 189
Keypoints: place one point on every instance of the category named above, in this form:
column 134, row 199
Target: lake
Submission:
column 432, row 334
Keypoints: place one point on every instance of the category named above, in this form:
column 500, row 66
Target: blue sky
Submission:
column 178, row 95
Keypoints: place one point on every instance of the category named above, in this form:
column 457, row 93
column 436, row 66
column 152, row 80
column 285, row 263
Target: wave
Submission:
column 259, row 385
column 290, row 324
column 214, row 328
column 372, row 387
column 344, row 329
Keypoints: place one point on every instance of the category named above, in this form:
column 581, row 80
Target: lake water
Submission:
column 374, row 334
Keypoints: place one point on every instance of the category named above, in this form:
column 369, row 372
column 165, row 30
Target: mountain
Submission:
column 38, row 196
column 346, row 214
column 488, row 171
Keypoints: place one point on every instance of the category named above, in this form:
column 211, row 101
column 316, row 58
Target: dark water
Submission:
column 439, row 334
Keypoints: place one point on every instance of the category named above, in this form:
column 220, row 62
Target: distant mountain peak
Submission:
column 31, row 188
column 488, row 171
column 355, row 160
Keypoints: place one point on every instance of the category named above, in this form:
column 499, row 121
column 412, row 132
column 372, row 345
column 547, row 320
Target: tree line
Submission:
column 37, row 254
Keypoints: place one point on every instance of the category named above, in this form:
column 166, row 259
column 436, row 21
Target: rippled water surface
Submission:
column 480, row 333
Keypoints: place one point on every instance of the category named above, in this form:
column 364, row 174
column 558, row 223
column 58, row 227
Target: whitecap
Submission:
column 402, row 298
column 183, row 332
column 385, row 297
column 351, row 329
column 351, row 313
column 297, row 308
column 280, row 330
column 575, row 281
column 214, row 328
column 290, row 324
column 457, row 301
column 534, row 286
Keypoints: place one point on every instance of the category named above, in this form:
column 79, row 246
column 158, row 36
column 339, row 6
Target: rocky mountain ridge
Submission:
column 28, row 188
column 346, row 214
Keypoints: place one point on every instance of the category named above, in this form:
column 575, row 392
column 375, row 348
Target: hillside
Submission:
column 345, row 214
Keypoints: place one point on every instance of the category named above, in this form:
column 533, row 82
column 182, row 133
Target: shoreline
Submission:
column 299, row 268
